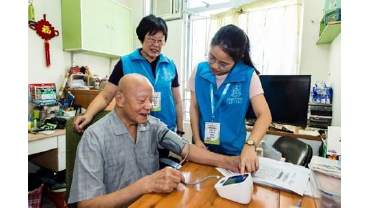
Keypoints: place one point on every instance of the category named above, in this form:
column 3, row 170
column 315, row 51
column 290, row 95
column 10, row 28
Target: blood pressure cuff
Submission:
column 173, row 142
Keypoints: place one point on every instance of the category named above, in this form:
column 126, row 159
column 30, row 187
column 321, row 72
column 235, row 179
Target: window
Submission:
column 273, row 27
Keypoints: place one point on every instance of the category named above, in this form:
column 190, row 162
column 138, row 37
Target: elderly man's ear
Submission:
column 119, row 99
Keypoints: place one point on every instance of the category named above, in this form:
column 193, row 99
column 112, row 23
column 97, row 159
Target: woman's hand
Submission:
column 80, row 122
column 248, row 160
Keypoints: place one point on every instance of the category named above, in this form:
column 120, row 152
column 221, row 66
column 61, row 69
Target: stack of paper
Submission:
column 326, row 166
column 279, row 175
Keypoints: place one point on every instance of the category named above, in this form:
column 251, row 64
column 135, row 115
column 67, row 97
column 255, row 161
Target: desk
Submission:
column 48, row 150
column 205, row 195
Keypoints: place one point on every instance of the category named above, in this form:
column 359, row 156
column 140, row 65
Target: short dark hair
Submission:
column 235, row 43
column 152, row 25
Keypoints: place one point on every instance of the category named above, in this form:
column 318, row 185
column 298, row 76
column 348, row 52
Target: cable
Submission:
column 187, row 154
column 201, row 180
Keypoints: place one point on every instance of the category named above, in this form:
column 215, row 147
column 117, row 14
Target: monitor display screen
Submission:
column 287, row 97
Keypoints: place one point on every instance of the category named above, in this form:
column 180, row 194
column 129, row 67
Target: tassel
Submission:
column 31, row 13
column 47, row 53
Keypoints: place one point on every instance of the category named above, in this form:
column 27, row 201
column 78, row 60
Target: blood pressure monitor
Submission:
column 238, row 188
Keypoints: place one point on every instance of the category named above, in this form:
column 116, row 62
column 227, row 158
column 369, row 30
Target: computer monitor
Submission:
column 287, row 97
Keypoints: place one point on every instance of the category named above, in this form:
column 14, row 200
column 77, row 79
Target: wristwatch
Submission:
column 181, row 133
column 250, row 142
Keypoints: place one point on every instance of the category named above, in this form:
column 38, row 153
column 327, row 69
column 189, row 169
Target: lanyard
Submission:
column 219, row 101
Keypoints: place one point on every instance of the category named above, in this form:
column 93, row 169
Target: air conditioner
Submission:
column 167, row 9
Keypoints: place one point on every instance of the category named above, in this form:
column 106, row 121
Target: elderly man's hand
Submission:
column 164, row 181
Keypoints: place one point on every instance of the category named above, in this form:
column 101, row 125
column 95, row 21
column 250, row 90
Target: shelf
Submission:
column 329, row 33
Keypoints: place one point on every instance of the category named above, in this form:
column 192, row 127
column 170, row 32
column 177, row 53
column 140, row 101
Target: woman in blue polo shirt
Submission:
column 149, row 62
column 221, row 90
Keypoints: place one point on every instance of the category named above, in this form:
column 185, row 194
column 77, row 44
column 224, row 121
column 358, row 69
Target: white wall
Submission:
column 137, row 15
column 335, row 79
column 314, row 58
column 60, row 60
column 174, row 47
column 37, row 70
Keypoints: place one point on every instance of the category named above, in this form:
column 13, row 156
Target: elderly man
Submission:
column 117, row 157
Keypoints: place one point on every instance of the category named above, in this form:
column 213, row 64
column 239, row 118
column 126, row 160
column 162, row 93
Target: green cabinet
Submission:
column 97, row 27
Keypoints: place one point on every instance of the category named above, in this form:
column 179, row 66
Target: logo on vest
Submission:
column 235, row 97
column 167, row 76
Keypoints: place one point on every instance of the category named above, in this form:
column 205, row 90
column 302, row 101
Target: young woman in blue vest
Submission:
column 149, row 62
column 221, row 90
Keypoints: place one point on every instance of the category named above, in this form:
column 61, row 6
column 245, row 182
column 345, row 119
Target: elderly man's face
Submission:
column 138, row 104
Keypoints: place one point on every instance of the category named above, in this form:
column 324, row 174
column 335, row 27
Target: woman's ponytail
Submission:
column 246, row 56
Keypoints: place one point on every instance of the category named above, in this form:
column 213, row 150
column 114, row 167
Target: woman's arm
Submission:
column 194, row 120
column 263, row 114
column 100, row 102
column 249, row 159
column 178, row 105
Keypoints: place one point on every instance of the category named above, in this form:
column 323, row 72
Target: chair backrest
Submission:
column 72, row 140
column 294, row 150
column 309, row 157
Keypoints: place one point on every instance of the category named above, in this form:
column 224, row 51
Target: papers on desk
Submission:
column 47, row 132
column 326, row 166
column 279, row 175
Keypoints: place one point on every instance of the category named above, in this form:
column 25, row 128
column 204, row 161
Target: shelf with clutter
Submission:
column 320, row 106
column 330, row 25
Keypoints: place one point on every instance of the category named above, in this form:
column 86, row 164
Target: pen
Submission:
column 299, row 203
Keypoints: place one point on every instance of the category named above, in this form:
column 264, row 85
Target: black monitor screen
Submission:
column 287, row 97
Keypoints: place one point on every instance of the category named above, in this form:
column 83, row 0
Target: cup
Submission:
column 36, row 114
column 97, row 85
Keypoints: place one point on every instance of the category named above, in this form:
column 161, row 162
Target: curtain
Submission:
column 274, row 31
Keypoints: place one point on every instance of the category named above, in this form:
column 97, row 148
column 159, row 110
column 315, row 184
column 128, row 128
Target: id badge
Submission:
column 212, row 134
column 157, row 101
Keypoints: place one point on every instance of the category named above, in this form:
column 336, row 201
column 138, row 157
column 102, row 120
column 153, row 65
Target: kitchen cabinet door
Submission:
column 97, row 27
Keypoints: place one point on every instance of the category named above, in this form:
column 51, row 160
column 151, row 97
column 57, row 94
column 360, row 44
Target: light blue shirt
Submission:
column 108, row 159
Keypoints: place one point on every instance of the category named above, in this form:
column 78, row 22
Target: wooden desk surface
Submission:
column 34, row 137
column 295, row 134
column 205, row 195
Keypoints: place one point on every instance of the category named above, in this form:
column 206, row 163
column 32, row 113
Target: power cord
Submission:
column 201, row 180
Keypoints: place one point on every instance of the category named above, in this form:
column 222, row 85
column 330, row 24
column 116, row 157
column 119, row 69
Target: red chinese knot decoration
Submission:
column 46, row 31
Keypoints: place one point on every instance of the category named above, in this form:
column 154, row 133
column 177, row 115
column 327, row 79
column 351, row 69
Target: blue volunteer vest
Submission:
column 165, row 73
column 232, row 110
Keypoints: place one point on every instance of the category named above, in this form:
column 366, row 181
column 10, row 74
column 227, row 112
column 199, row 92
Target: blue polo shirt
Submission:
column 232, row 110
column 165, row 73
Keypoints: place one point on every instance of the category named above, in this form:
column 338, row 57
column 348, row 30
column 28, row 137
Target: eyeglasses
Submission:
column 153, row 41
column 222, row 66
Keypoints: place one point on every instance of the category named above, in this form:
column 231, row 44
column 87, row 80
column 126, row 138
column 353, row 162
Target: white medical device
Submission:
column 238, row 188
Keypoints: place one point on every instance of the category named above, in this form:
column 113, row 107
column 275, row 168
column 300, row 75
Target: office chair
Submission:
column 72, row 140
column 294, row 150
